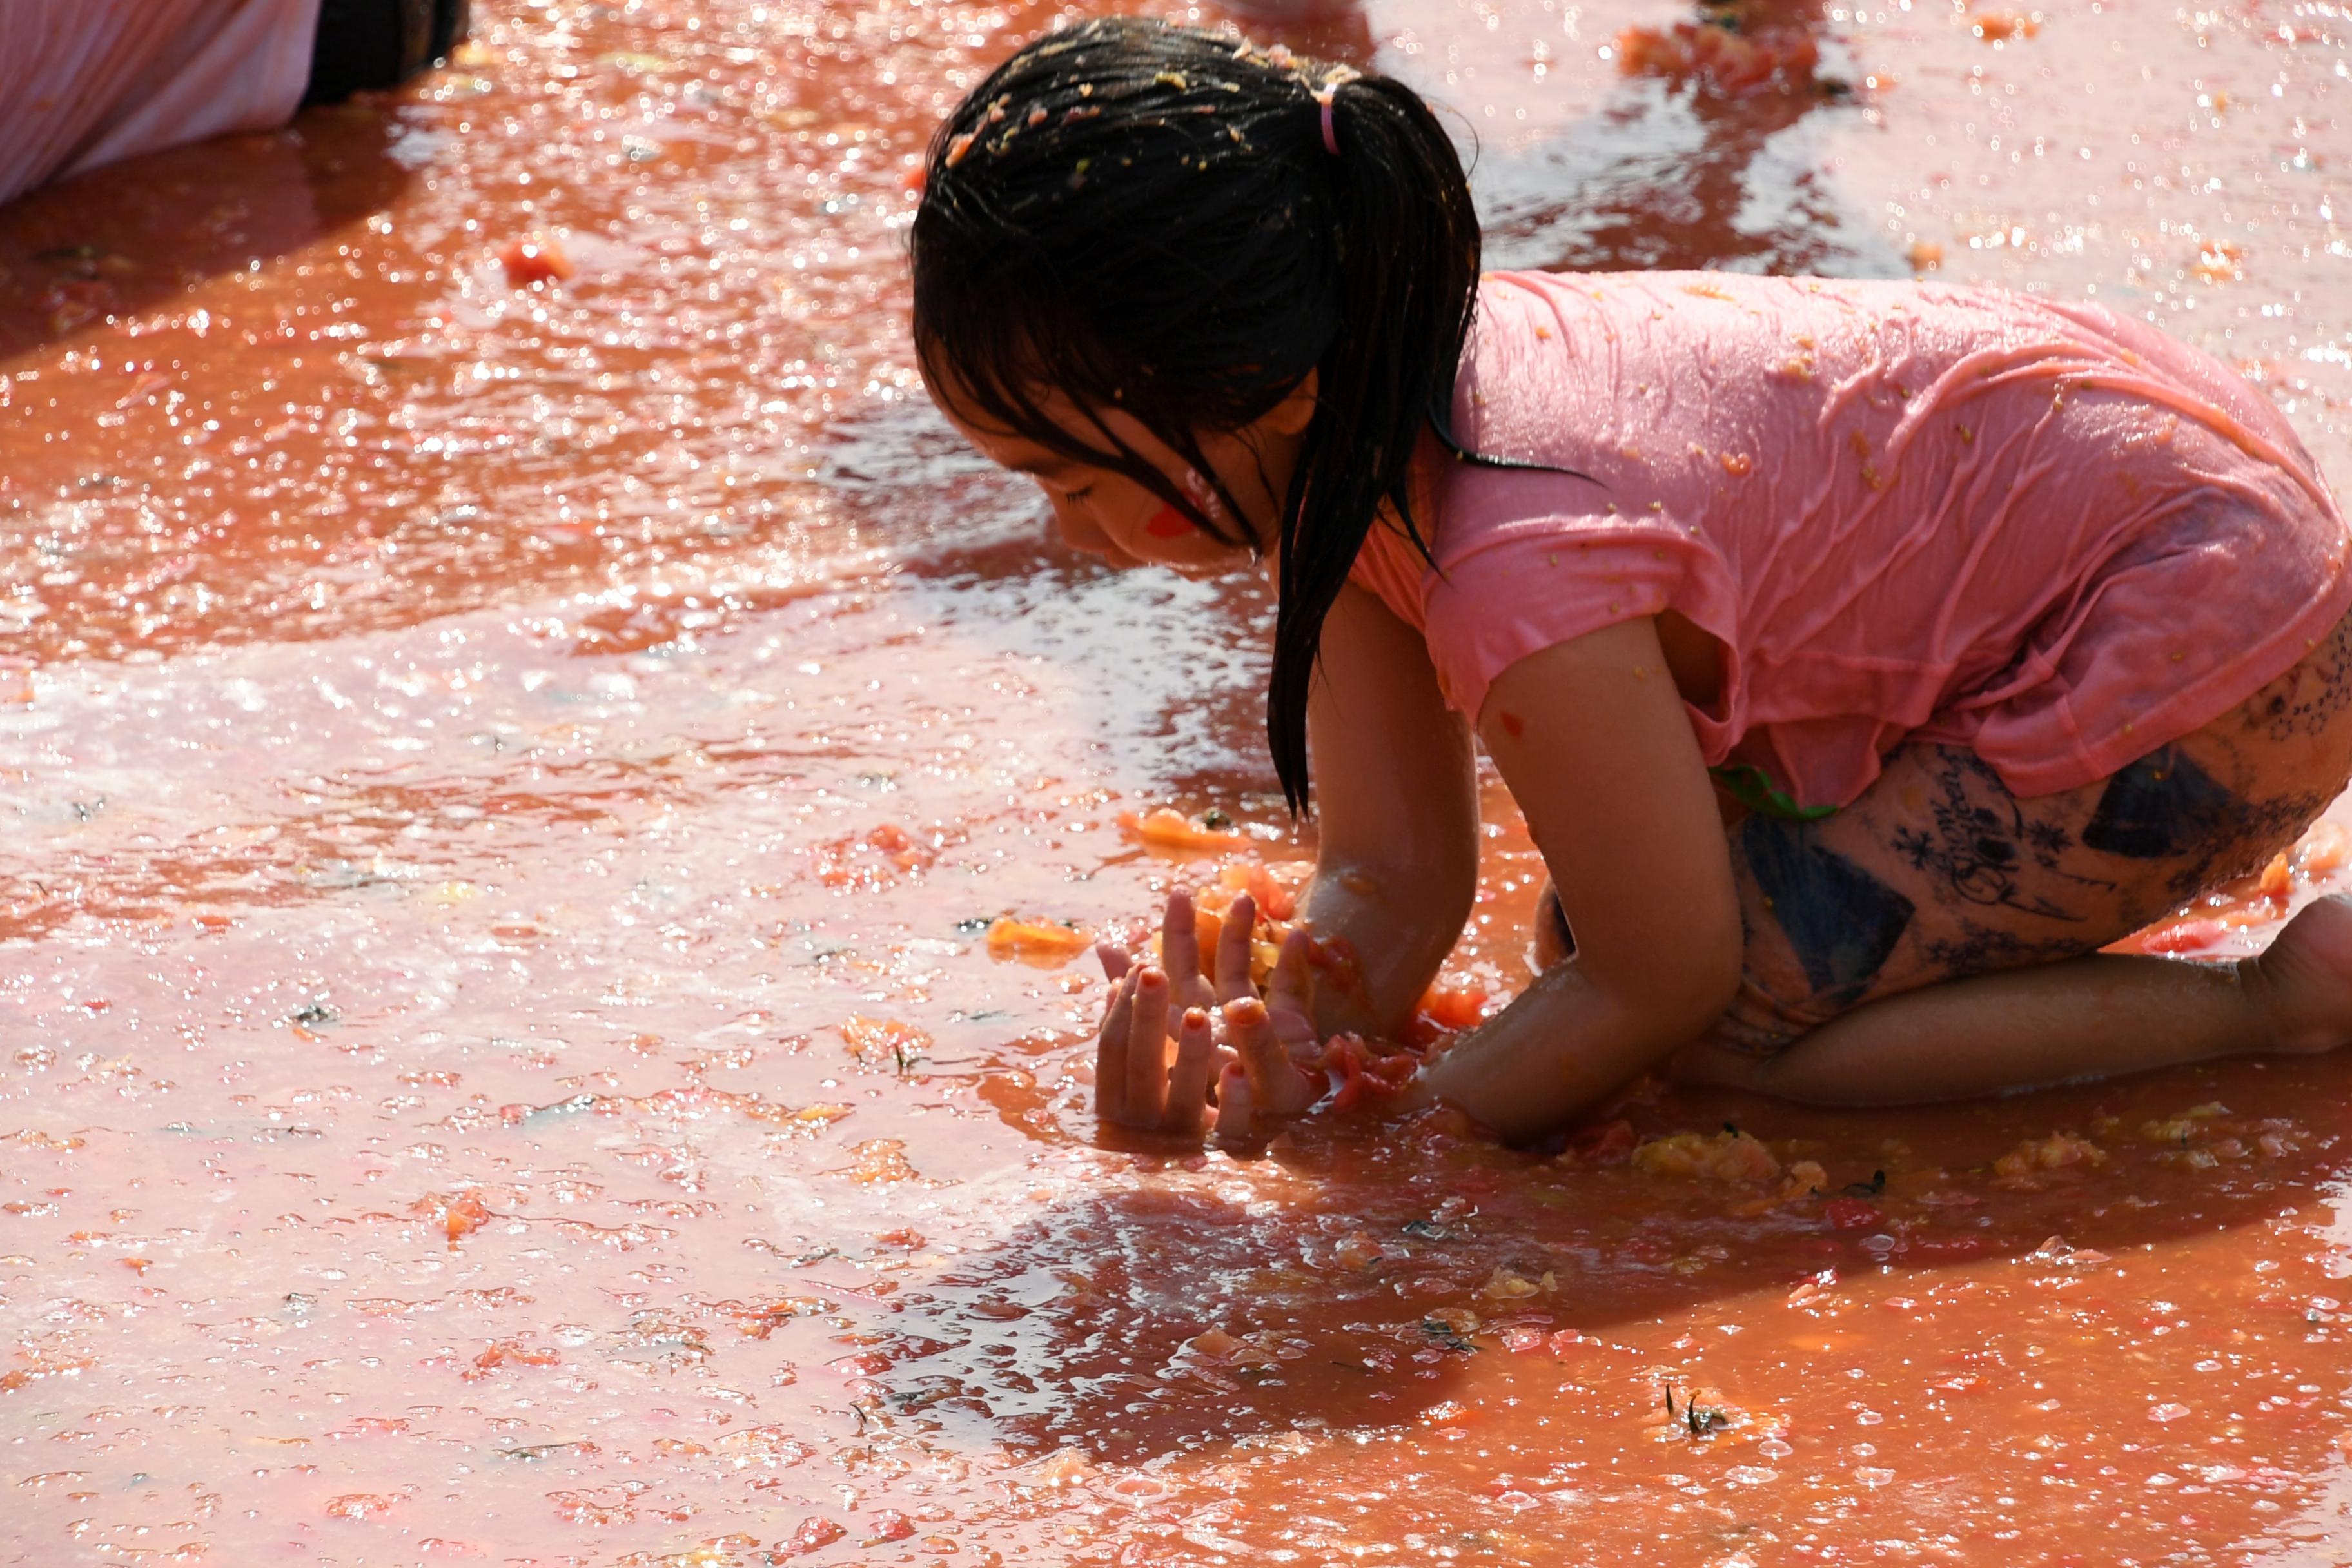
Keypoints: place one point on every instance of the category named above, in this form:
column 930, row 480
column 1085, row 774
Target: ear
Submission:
column 1295, row 411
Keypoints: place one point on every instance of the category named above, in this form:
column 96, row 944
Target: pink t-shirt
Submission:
column 86, row 82
column 1905, row 510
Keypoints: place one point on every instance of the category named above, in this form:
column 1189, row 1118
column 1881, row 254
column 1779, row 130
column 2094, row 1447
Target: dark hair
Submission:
column 1149, row 218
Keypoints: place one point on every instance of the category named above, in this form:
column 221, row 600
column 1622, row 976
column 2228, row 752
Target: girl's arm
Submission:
column 1397, row 808
column 1592, row 738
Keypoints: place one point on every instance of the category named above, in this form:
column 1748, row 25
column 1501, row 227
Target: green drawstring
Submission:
column 1752, row 787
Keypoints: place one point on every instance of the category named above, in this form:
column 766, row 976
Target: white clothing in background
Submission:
column 85, row 82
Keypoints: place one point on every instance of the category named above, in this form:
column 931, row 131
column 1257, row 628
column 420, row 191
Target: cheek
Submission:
column 1076, row 529
column 1169, row 523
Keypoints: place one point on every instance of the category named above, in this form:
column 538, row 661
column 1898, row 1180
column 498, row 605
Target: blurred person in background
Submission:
column 85, row 83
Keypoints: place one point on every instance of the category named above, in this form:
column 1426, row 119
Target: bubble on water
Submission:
column 1872, row 1476
column 2167, row 1413
column 611, row 686
column 1773, row 1449
column 1750, row 1475
column 361, row 1505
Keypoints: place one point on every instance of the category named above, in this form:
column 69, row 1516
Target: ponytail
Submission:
column 1172, row 223
column 1406, row 244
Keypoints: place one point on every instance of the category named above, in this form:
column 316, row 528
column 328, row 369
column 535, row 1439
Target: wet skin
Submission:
column 1935, row 876
column 1108, row 514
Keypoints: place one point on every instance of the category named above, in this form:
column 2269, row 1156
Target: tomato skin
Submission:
column 458, row 1215
column 1165, row 829
column 1036, row 942
column 1454, row 1006
column 1852, row 1213
column 1445, row 1010
column 1365, row 1078
column 1729, row 64
column 814, row 1532
column 1610, row 1144
column 2189, row 936
column 534, row 260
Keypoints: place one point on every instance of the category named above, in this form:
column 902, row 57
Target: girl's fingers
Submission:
column 1233, row 949
column 1180, row 941
column 1146, row 1049
column 1110, row 1053
column 1277, row 1085
column 1114, row 959
column 1291, row 987
column 1188, row 1080
column 1181, row 955
column 1245, row 1023
column 1234, row 1108
column 1290, row 997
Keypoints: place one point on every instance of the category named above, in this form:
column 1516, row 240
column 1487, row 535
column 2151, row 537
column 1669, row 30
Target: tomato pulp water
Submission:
column 551, row 808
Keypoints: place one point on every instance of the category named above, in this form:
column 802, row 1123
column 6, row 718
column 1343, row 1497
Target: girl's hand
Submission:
column 1262, row 1076
column 1144, row 1077
column 1180, row 952
column 1261, row 1052
column 1278, row 1065
column 1290, row 987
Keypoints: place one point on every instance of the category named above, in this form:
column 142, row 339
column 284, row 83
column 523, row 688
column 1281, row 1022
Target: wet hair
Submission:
column 1149, row 218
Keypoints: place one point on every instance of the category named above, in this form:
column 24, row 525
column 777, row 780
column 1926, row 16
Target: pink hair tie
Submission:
column 1326, row 95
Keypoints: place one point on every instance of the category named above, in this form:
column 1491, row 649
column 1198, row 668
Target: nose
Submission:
column 1078, row 533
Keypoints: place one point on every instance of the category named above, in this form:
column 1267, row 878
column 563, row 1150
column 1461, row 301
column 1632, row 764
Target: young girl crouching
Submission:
column 1863, row 656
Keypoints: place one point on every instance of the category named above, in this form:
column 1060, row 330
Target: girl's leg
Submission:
column 1939, row 937
column 2085, row 1017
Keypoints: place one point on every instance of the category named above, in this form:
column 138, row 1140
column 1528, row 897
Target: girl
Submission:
column 1865, row 656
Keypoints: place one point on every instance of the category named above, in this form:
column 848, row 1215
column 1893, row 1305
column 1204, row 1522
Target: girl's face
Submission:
column 1106, row 513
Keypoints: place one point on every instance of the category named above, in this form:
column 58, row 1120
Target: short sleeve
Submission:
column 1532, row 583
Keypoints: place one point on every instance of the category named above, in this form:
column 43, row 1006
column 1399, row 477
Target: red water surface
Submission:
column 505, row 781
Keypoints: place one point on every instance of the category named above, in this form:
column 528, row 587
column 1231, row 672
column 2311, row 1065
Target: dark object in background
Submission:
column 366, row 44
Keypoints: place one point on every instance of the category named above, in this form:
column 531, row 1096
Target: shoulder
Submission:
column 1390, row 572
